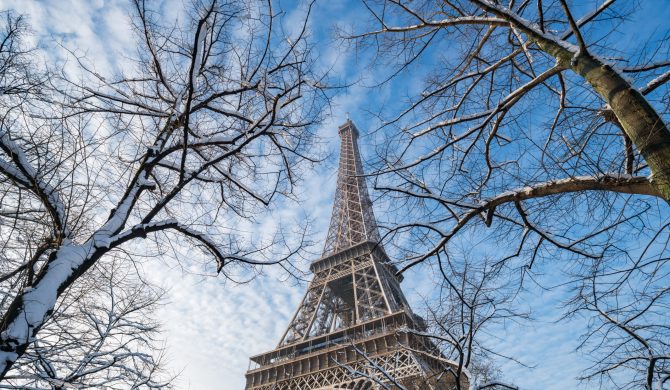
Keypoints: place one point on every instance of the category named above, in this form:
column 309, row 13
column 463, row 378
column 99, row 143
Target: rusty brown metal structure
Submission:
column 354, row 328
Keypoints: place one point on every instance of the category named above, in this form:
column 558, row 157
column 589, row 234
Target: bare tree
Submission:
column 627, row 305
column 102, row 335
column 210, row 126
column 473, row 298
column 474, row 130
column 535, row 134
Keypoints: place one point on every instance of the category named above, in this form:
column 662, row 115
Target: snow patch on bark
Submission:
column 39, row 300
column 199, row 50
column 25, row 168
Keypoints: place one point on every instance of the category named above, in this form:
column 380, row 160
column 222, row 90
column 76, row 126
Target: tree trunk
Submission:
column 639, row 120
column 637, row 117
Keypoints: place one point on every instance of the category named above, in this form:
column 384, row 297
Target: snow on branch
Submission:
column 465, row 20
column 655, row 83
column 119, row 215
column 39, row 300
column 624, row 184
column 23, row 172
column 525, row 26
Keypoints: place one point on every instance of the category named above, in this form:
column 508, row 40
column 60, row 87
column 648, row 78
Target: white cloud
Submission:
column 212, row 328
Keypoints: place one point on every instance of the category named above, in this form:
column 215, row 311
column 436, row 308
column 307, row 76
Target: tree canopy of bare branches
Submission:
column 212, row 123
column 473, row 298
column 537, row 135
column 102, row 334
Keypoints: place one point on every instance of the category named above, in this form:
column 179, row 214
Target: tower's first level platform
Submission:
column 361, row 357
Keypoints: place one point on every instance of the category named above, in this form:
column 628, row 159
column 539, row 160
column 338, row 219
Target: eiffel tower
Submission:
column 352, row 329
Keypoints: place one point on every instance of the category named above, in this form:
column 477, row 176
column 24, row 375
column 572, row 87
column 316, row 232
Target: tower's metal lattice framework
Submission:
column 348, row 330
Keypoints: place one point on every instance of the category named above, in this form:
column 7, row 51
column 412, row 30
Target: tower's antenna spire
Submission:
column 353, row 220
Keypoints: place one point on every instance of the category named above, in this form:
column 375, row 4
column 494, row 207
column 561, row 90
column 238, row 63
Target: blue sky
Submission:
column 236, row 321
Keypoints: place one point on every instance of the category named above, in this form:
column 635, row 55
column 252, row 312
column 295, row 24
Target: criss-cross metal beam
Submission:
column 353, row 220
column 353, row 304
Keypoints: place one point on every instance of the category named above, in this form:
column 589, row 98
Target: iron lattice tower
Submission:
column 350, row 330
